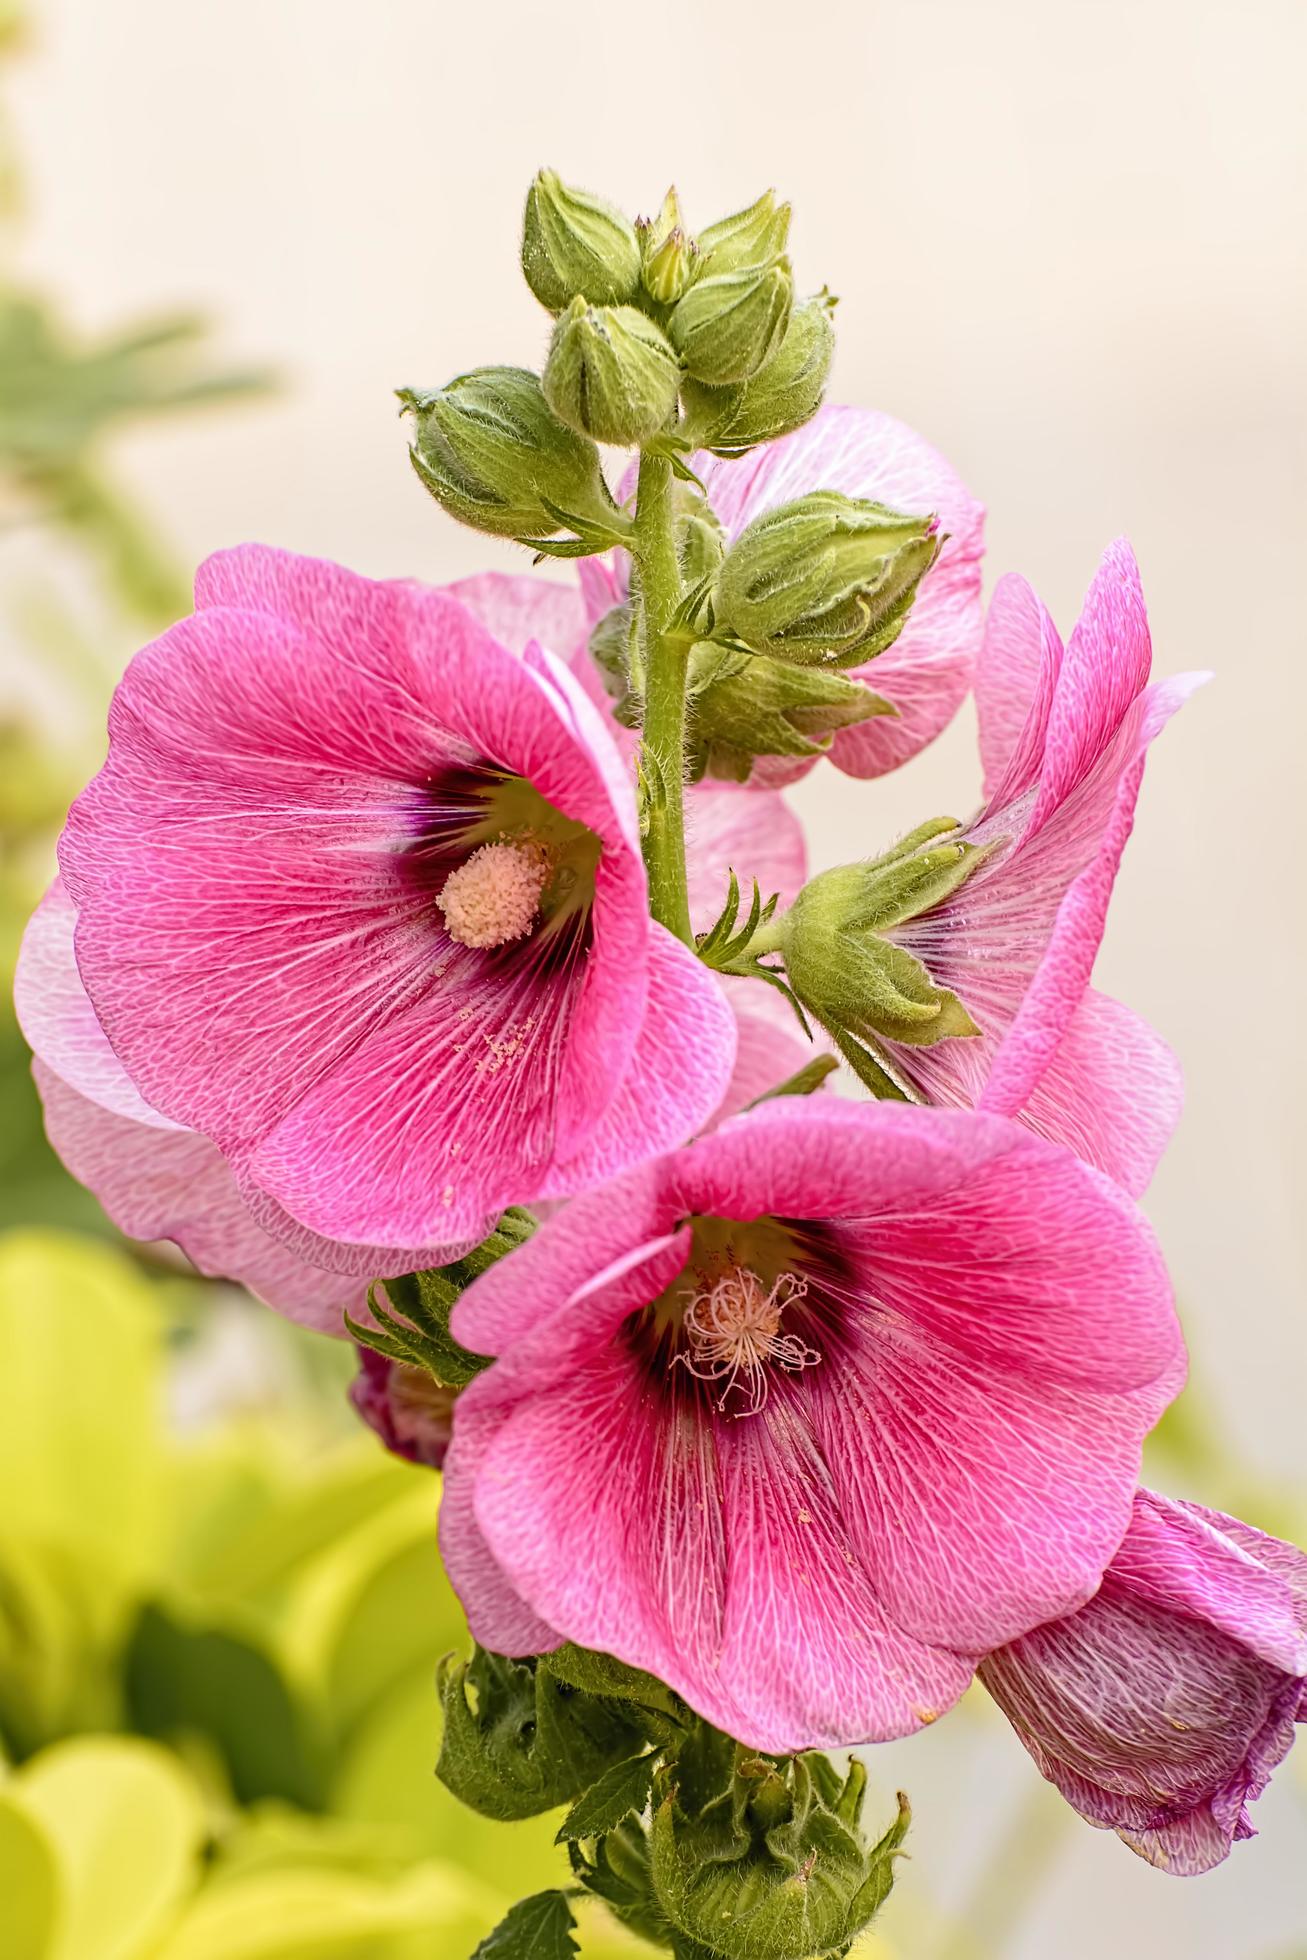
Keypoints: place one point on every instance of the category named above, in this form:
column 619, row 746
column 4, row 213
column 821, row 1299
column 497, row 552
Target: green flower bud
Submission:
column 573, row 243
column 611, row 373
column 844, row 965
column 730, row 324
column 743, row 705
column 782, row 396
column 489, row 448
column 526, row 1741
column 827, row 578
column 669, row 256
column 753, row 237
column 758, row 1855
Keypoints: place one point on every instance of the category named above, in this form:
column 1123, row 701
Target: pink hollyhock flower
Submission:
column 360, row 899
column 1161, row 1708
column 808, row 1416
column 728, row 828
column 1064, row 734
column 410, row 1411
column 156, row 1179
column 927, row 671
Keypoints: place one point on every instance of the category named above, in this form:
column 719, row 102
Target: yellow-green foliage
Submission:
column 217, row 1653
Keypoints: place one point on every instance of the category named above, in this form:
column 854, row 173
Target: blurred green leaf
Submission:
column 326, row 1915
column 29, row 1884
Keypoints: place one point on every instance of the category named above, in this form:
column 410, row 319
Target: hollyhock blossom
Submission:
column 360, row 899
column 1064, row 734
column 1161, row 1708
column 803, row 1417
column 155, row 1178
column 409, row 1410
column 728, row 828
column 925, row 674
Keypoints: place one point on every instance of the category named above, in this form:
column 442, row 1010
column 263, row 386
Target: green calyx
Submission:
column 756, row 236
column 574, row 243
column 611, row 374
column 743, row 705
column 781, row 397
column 826, row 578
column 411, row 1312
column 730, row 324
column 519, row 1740
column 491, row 450
column 846, row 968
column 754, row 1856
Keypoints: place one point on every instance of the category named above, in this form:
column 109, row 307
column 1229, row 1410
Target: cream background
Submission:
column 1069, row 242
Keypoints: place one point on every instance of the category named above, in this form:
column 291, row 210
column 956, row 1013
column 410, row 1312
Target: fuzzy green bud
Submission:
column 611, row 374
column 753, row 237
column 730, row 324
column 743, row 705
column 844, row 964
column 574, row 243
column 669, row 257
column 827, row 578
column 756, row 1855
column 491, row 450
column 781, row 397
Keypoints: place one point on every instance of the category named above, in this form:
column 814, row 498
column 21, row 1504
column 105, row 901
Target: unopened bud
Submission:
column 743, row 705
column 781, row 397
column 611, row 373
column 842, row 961
column 573, row 242
column 753, row 237
column 491, row 450
column 759, row 1855
column 730, row 324
column 669, row 256
column 827, row 578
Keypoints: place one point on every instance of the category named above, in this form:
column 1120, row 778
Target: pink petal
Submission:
column 1016, row 676
column 749, row 831
column 1113, row 1092
column 169, row 1183
column 517, row 609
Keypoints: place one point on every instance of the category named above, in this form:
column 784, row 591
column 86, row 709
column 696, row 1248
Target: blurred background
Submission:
column 1071, row 247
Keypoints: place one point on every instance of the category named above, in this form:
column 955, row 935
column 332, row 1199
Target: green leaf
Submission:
column 216, row 1682
column 321, row 1914
column 539, row 1928
column 620, row 1790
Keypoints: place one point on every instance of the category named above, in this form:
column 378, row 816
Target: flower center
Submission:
column 494, row 896
column 732, row 1331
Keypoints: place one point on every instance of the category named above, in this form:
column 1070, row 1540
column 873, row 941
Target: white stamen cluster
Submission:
column 494, row 897
column 733, row 1332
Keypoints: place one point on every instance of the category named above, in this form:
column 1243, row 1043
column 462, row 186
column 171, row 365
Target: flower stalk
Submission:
column 666, row 658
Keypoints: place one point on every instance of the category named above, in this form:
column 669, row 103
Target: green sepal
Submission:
column 825, row 579
column 616, row 1869
column 611, row 374
column 781, row 397
column 754, row 236
column 742, row 705
column 670, row 260
column 538, row 1928
column 803, row 1081
column 601, row 1674
column 621, row 1790
column 574, row 243
column 413, row 1324
column 729, row 324
column 531, row 1742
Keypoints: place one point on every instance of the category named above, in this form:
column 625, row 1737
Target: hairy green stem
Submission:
column 662, row 754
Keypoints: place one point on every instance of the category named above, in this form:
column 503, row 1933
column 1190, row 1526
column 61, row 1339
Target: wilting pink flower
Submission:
column 927, row 671
column 156, row 1179
column 360, row 898
column 1063, row 736
column 409, row 1410
column 1161, row 1708
column 806, row 1417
